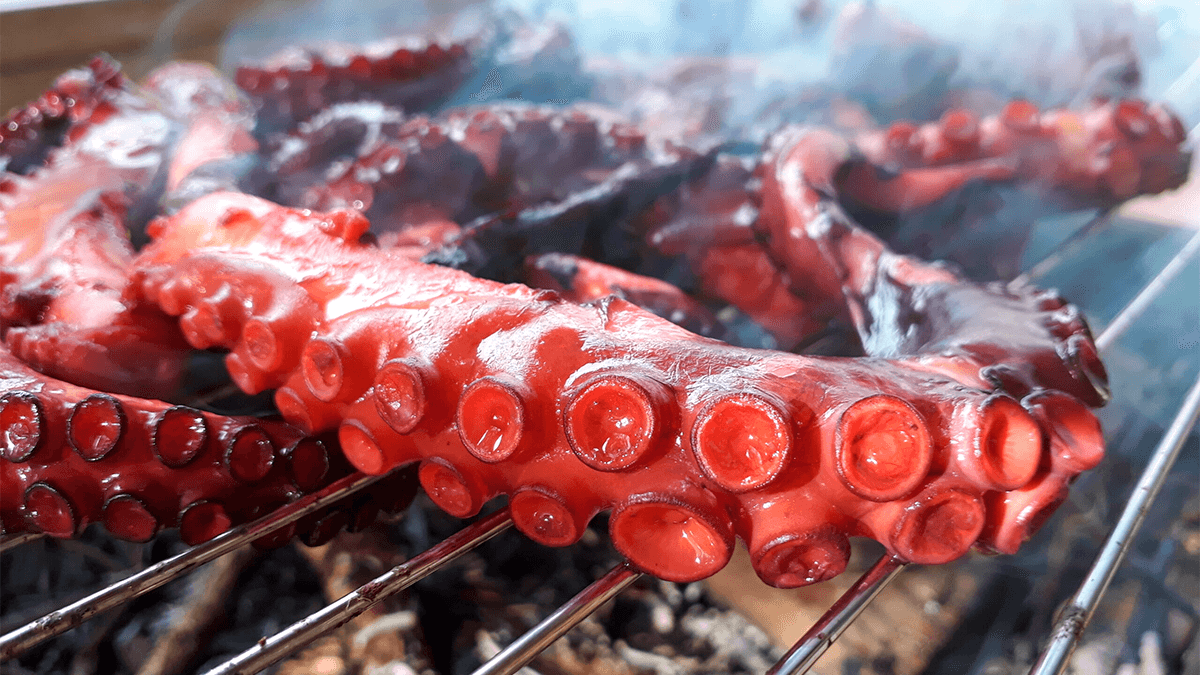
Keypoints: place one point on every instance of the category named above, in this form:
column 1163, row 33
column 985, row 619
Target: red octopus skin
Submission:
column 1098, row 157
column 65, row 311
column 64, row 251
column 573, row 409
column 70, row 456
column 297, row 83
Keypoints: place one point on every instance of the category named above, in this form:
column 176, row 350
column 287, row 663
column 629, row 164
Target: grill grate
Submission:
column 799, row 659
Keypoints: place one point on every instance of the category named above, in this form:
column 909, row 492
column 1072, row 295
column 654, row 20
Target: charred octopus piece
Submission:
column 572, row 409
column 472, row 163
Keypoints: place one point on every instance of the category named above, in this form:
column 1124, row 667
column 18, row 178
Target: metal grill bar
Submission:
column 818, row 639
column 514, row 657
column 1076, row 616
column 339, row 613
column 1142, row 300
column 1068, row 247
column 62, row 620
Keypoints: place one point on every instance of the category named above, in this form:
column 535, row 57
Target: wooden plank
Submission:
column 37, row 45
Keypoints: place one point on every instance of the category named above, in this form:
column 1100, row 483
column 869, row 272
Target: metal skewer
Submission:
column 1076, row 616
column 514, row 657
column 830, row 626
column 62, row 620
column 339, row 613
column 18, row 539
column 1152, row 290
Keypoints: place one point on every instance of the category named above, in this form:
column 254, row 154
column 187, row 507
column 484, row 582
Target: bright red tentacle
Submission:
column 571, row 409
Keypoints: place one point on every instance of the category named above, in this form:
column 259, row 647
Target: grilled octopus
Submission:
column 524, row 301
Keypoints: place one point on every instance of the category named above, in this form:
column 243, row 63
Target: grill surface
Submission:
column 1160, row 265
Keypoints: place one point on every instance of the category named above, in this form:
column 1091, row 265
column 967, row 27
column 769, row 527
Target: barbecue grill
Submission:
column 1153, row 250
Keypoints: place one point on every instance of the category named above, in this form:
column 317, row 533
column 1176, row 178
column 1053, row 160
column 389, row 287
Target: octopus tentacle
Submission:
column 591, row 222
column 216, row 149
column 951, row 325
column 63, row 309
column 28, row 134
column 929, row 191
column 295, row 84
column 797, row 265
column 572, row 409
column 71, row 456
column 953, row 189
column 118, row 141
column 300, row 158
column 65, row 251
column 1100, row 156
